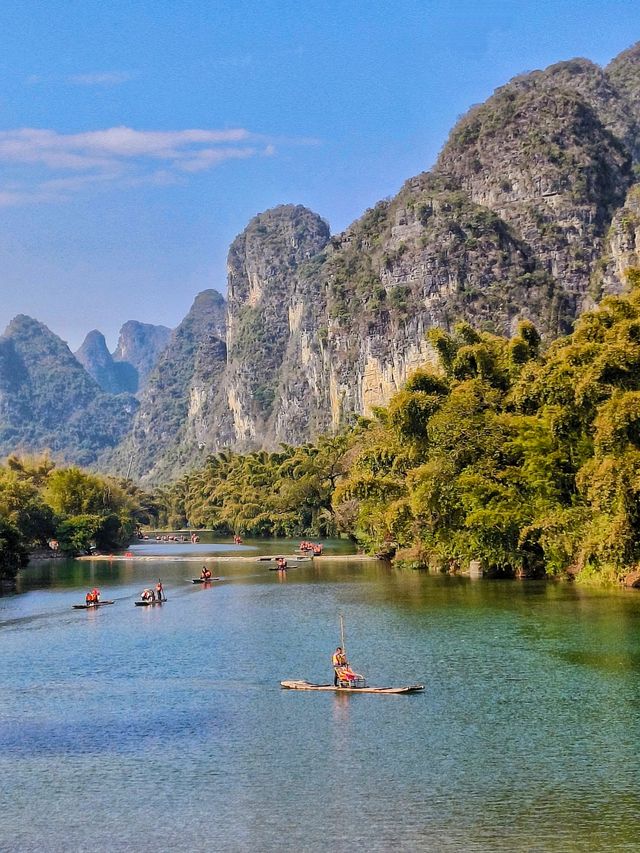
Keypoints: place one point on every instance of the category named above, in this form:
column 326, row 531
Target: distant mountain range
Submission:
column 49, row 401
column 127, row 369
column 532, row 210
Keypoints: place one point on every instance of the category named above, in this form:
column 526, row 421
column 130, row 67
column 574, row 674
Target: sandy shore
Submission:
column 212, row 558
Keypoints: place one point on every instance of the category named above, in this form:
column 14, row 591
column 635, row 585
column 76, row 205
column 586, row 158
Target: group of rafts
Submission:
column 345, row 680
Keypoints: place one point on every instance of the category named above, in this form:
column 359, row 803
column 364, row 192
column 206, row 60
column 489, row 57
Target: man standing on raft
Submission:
column 338, row 661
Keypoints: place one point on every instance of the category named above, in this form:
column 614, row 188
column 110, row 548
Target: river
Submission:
column 152, row 729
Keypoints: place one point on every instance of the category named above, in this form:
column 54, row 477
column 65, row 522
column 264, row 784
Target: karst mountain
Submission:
column 532, row 210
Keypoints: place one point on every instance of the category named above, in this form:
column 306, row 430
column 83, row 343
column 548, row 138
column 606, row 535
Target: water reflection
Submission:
column 526, row 737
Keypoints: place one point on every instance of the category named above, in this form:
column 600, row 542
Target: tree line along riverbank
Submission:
column 522, row 456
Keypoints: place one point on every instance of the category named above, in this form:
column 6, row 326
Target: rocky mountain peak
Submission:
column 266, row 308
column 94, row 356
column 49, row 401
column 140, row 345
column 542, row 158
column 96, row 359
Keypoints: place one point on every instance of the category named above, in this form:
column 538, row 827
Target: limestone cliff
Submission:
column 263, row 279
column 167, row 435
column 622, row 247
column 531, row 211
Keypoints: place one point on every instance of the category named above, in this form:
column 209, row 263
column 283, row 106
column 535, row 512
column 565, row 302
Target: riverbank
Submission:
column 226, row 558
column 47, row 554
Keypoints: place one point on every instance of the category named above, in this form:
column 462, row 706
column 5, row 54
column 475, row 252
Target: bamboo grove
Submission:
column 526, row 458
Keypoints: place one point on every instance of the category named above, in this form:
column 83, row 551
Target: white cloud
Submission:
column 93, row 78
column 48, row 165
column 107, row 78
column 100, row 148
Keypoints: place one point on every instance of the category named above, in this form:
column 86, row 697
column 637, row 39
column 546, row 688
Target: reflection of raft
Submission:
column 307, row 685
column 149, row 603
column 204, row 580
column 91, row 606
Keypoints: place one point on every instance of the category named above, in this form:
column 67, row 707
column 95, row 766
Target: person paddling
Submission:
column 160, row 590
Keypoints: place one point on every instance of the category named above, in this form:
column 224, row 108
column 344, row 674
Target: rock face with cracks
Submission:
column 530, row 212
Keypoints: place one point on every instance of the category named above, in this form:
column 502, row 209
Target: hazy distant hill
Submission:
column 127, row 369
column 113, row 377
column 140, row 345
column 49, row 401
column 168, row 431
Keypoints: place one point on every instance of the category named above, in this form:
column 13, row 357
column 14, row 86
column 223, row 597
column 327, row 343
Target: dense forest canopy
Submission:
column 525, row 458
column 72, row 510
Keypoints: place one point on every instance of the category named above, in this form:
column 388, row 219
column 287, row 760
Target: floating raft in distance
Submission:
column 91, row 606
column 148, row 603
column 307, row 685
column 294, row 559
column 204, row 580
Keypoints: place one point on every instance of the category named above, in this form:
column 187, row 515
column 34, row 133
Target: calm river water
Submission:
column 135, row 729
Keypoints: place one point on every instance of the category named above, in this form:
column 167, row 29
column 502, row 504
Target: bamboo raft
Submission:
column 204, row 580
column 149, row 603
column 307, row 685
column 91, row 606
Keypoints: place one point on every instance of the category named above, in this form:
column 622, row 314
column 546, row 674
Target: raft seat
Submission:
column 349, row 678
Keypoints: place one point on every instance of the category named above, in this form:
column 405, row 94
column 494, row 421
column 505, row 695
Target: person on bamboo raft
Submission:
column 339, row 662
column 93, row 597
column 205, row 574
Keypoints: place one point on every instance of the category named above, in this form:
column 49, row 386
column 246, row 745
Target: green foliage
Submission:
column 39, row 502
column 13, row 554
column 77, row 534
column 283, row 493
column 525, row 460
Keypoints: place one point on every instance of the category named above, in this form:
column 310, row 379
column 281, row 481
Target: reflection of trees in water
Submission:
column 74, row 573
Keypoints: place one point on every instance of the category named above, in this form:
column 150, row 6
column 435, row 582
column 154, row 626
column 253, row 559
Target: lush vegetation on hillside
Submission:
column 41, row 503
column 527, row 460
column 49, row 402
column 270, row 494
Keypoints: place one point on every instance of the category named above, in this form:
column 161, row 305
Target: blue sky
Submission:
column 138, row 138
